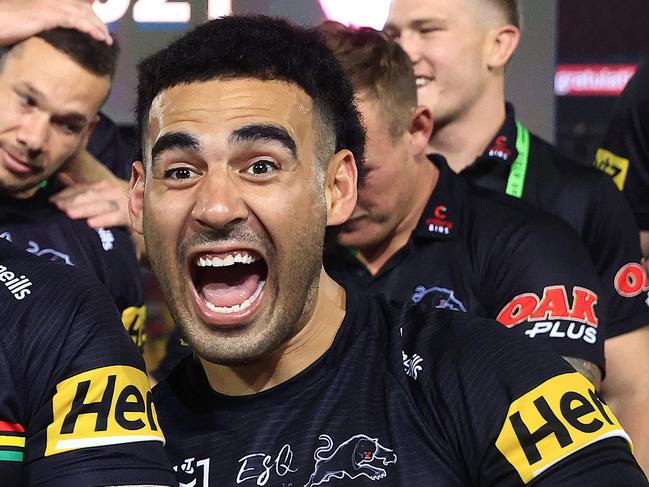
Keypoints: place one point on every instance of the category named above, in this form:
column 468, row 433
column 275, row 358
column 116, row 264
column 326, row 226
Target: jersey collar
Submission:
column 442, row 215
column 502, row 147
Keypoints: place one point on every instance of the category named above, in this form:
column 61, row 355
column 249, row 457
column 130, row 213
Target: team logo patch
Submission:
column 552, row 421
column 193, row 472
column 439, row 222
column 105, row 406
column 500, row 149
column 359, row 456
column 49, row 254
column 440, row 297
column 615, row 166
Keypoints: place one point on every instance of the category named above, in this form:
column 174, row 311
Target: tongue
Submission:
column 227, row 286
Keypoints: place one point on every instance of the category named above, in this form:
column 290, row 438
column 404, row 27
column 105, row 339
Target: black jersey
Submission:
column 75, row 405
column 109, row 147
column 38, row 227
column 624, row 155
column 524, row 166
column 496, row 259
column 438, row 399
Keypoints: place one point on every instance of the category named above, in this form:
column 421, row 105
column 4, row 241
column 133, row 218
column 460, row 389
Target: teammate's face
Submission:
column 49, row 106
column 383, row 199
column 234, row 213
column 447, row 45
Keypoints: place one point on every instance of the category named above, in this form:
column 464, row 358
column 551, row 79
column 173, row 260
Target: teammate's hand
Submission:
column 20, row 19
column 102, row 204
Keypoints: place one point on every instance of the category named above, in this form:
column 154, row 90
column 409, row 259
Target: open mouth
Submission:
column 422, row 81
column 229, row 285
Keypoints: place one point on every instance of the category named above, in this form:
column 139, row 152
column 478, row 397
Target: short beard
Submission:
column 232, row 347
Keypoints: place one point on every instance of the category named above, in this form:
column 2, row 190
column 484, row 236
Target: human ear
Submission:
column 341, row 192
column 420, row 128
column 502, row 43
column 136, row 196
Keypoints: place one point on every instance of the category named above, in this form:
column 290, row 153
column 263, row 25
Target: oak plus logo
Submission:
column 18, row 285
column 553, row 314
column 105, row 406
column 631, row 280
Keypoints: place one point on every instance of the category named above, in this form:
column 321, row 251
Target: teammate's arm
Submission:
column 613, row 241
column 626, row 388
column 20, row 19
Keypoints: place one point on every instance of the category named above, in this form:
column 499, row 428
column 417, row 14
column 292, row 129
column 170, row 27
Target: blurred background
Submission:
column 574, row 59
column 575, row 56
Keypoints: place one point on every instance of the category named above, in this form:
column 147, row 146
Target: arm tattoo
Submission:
column 587, row 369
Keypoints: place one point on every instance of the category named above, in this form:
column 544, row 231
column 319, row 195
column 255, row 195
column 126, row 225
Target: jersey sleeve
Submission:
column 624, row 154
column 88, row 409
column 611, row 235
column 512, row 412
column 543, row 285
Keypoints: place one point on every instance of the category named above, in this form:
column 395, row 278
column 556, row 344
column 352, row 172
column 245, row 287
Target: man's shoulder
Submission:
column 549, row 159
column 453, row 343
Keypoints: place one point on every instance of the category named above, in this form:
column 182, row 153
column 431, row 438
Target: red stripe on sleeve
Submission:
column 13, row 427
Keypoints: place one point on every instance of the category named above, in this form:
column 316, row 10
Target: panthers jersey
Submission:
column 75, row 404
column 435, row 398
column 41, row 229
column 495, row 259
column 524, row 166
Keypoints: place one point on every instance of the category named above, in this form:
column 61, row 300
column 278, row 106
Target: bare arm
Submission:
column 587, row 369
column 20, row 19
column 96, row 195
column 626, row 387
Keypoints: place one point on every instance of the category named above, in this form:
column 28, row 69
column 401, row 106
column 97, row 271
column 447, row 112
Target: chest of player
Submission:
column 352, row 424
column 442, row 273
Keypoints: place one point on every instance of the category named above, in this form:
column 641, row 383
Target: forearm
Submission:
column 626, row 387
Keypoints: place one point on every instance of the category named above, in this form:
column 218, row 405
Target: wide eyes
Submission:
column 179, row 173
column 261, row 167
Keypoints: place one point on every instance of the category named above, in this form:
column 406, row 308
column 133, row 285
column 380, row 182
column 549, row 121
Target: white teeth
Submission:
column 422, row 82
column 238, row 258
column 238, row 307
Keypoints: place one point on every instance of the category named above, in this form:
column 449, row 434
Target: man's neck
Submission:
column 294, row 356
column 424, row 182
column 462, row 140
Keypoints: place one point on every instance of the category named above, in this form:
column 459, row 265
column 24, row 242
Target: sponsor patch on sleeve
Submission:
column 133, row 319
column 553, row 421
column 615, row 166
column 106, row 406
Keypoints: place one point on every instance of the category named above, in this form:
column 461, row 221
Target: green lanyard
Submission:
column 516, row 179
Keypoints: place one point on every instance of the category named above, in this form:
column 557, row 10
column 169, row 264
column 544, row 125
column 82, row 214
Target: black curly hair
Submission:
column 263, row 48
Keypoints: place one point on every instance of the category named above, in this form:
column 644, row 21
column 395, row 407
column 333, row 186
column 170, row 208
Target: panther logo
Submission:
column 439, row 297
column 49, row 254
column 358, row 456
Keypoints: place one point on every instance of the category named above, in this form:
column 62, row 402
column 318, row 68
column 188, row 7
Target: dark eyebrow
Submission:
column 272, row 133
column 174, row 140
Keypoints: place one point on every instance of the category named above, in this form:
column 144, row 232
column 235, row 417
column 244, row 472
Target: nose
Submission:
column 220, row 203
column 32, row 133
column 410, row 44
